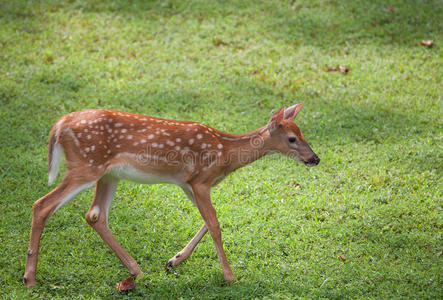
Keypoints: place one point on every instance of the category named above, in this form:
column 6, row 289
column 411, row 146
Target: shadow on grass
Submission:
column 318, row 23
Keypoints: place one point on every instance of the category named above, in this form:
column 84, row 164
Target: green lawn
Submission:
column 367, row 222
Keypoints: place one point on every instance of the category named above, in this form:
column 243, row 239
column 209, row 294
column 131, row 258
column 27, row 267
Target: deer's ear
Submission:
column 276, row 119
column 291, row 112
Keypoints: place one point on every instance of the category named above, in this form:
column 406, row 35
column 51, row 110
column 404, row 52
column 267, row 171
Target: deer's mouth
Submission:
column 313, row 161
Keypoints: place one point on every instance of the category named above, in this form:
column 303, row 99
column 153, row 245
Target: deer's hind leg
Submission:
column 43, row 208
column 97, row 217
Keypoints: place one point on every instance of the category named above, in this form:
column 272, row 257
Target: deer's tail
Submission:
column 55, row 152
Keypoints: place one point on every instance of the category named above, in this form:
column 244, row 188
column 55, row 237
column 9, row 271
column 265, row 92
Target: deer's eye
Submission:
column 292, row 139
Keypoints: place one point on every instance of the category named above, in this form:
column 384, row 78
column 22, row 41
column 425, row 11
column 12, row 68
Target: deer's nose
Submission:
column 314, row 160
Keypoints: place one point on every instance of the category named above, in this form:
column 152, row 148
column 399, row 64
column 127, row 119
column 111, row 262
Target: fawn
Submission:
column 104, row 146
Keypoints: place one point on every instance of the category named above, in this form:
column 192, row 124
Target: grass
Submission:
column 366, row 223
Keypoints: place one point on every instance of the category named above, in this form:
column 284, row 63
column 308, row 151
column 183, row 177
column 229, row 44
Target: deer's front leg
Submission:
column 186, row 252
column 207, row 211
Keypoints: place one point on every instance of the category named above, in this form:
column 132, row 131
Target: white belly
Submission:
column 127, row 172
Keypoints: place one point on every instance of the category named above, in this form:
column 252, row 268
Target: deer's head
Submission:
column 288, row 139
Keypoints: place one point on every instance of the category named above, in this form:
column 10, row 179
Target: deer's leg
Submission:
column 43, row 208
column 186, row 251
column 207, row 211
column 97, row 217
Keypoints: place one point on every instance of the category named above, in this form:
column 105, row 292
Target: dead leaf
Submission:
column 388, row 8
column 339, row 68
column 297, row 186
column 342, row 258
column 76, row 204
column 126, row 284
column 427, row 43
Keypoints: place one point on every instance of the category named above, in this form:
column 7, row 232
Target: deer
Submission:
column 103, row 146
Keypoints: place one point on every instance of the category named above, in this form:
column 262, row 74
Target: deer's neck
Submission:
column 243, row 149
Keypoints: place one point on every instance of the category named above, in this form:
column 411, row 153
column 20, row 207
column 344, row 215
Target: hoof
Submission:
column 125, row 285
column 169, row 265
column 27, row 282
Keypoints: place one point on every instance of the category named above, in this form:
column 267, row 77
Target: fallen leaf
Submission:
column 388, row 8
column 76, row 204
column 342, row 258
column 297, row 186
column 126, row 284
column 339, row 68
column 427, row 43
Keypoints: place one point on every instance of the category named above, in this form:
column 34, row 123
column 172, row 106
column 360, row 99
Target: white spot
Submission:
column 87, row 149
column 143, row 141
column 92, row 148
column 79, row 134
column 136, row 143
column 116, row 131
column 89, row 136
column 191, row 141
column 155, row 145
column 151, row 136
column 161, row 146
column 178, row 140
column 124, row 130
column 170, row 143
column 219, row 146
column 129, row 137
column 219, row 153
column 83, row 121
column 118, row 124
column 177, row 148
column 109, row 151
column 101, row 128
column 121, row 136
column 118, row 146
column 199, row 136
column 85, row 130
column 203, row 146
column 91, row 161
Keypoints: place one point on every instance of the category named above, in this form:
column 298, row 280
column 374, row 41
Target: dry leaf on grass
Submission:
column 126, row 284
column 427, row 43
column 342, row 69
